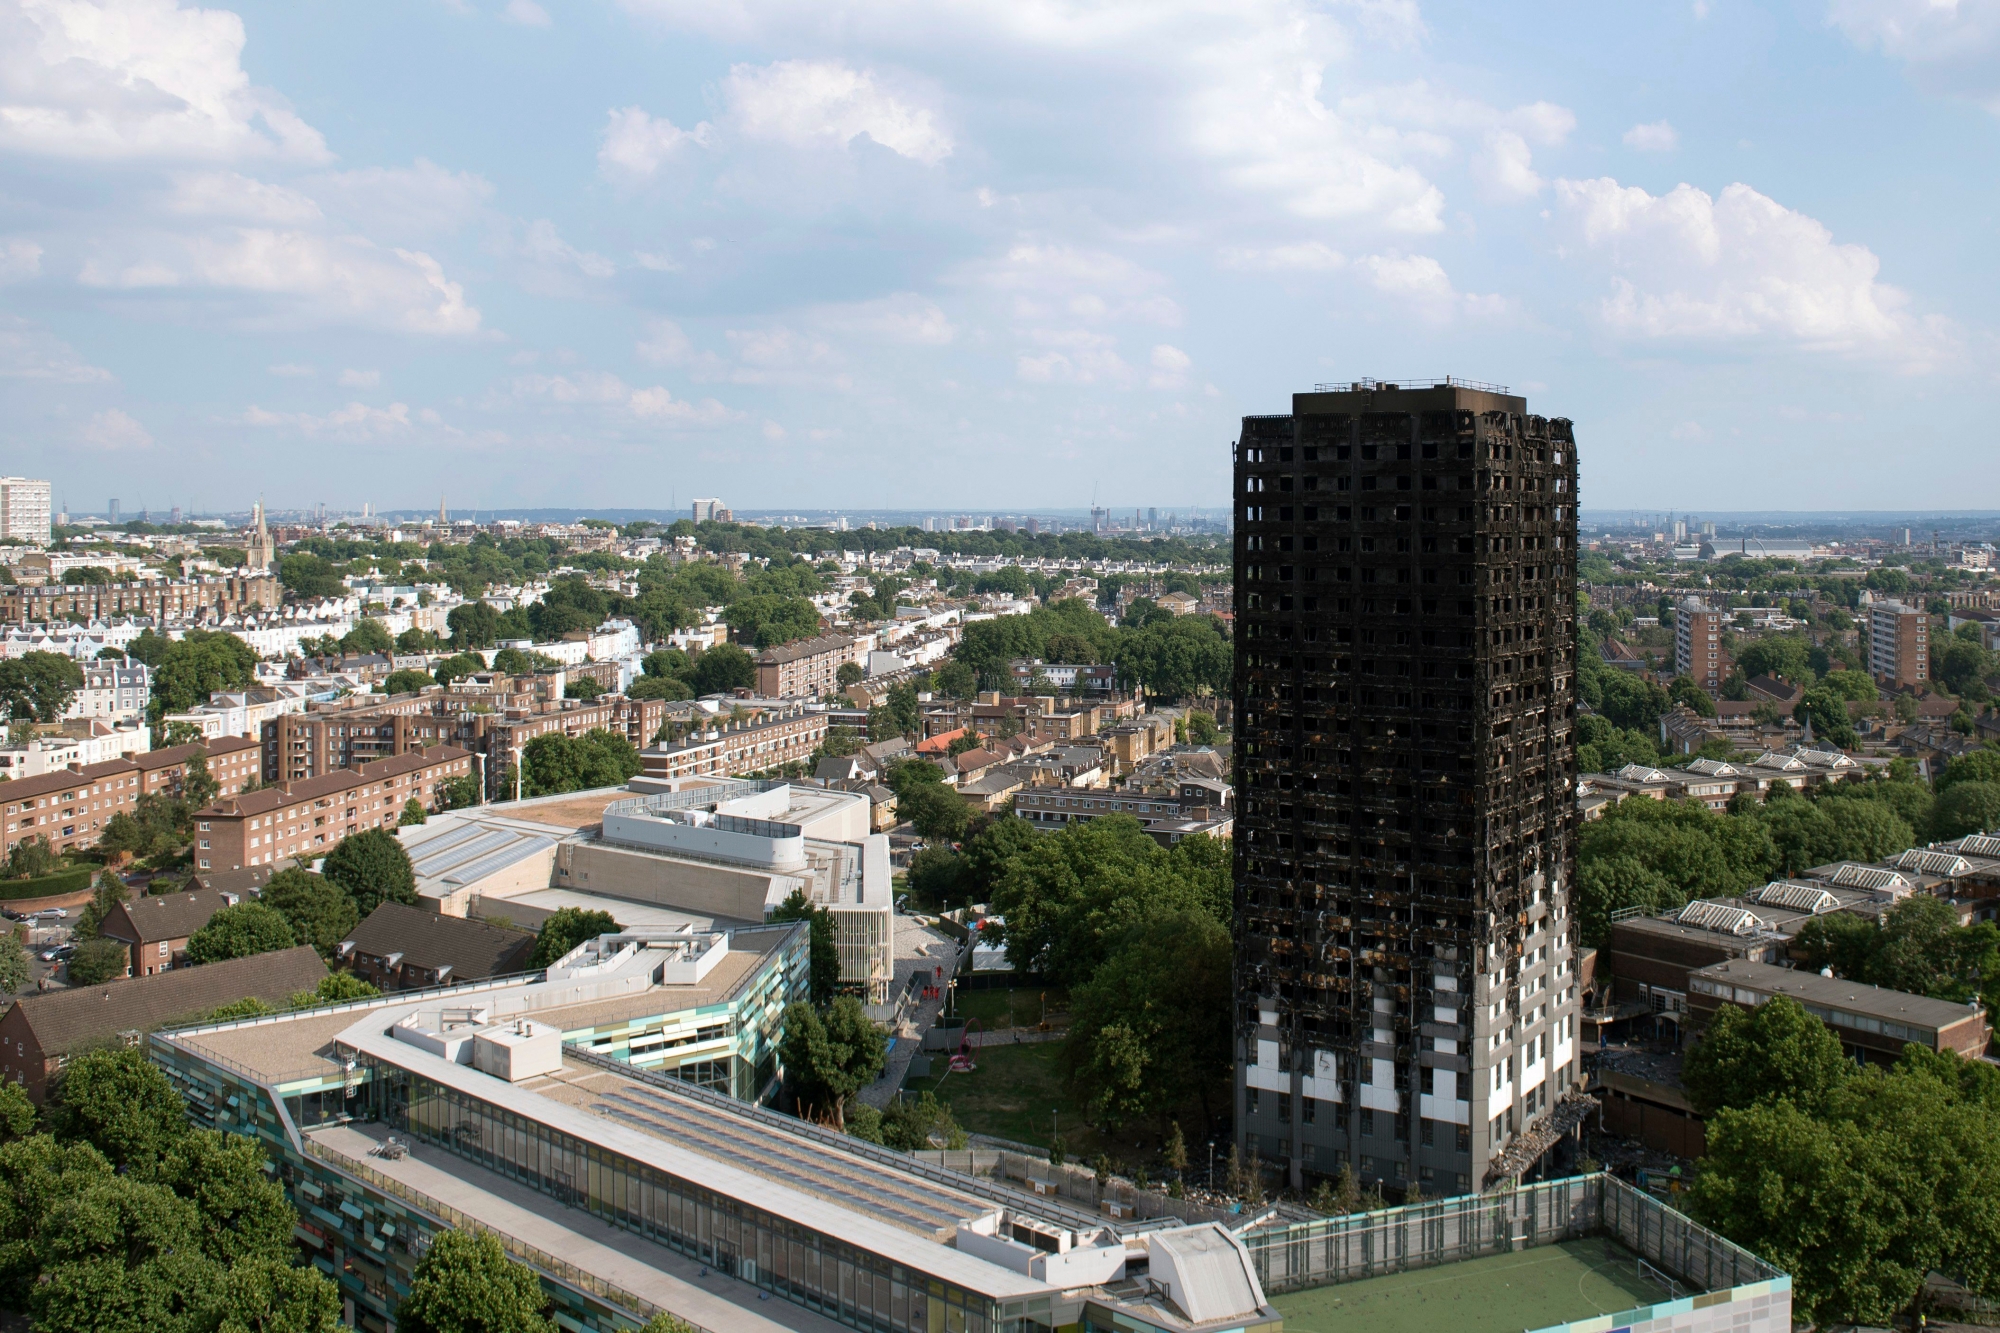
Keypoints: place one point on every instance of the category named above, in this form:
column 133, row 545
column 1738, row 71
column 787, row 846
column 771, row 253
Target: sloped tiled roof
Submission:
column 64, row 1020
column 470, row 949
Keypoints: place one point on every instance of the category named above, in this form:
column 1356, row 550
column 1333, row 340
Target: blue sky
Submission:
column 989, row 255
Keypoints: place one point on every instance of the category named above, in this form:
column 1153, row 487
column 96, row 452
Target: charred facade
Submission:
column 1405, row 840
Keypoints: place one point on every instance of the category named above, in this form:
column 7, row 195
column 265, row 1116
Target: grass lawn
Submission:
column 1501, row 1293
column 998, row 1010
column 1012, row 1092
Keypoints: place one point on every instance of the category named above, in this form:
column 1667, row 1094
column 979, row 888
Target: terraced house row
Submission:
column 71, row 807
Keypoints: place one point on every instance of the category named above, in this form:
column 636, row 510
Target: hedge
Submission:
column 74, row 880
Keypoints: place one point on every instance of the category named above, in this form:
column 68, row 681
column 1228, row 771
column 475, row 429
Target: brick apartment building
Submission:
column 155, row 929
column 233, row 762
column 1698, row 644
column 181, row 600
column 71, row 807
column 306, row 819
column 806, row 669
column 1898, row 644
column 298, row 746
column 750, row 747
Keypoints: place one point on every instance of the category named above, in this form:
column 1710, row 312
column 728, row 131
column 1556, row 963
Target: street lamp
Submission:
column 1211, row 1164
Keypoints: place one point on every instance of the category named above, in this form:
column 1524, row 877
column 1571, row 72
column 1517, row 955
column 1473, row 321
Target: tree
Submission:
column 555, row 763
column 915, row 1124
column 1826, row 709
column 14, row 969
column 1069, row 895
column 583, row 687
column 956, row 680
column 722, row 669
column 98, row 961
column 1686, row 692
column 770, row 621
column 567, row 927
column 1201, row 729
column 319, row 911
column 666, row 662
column 514, row 662
column 39, row 685
column 465, row 1283
column 120, row 1103
column 457, row 667
column 991, row 851
column 1966, row 807
column 1150, row 1028
column 659, row 687
column 333, row 988
column 828, row 1059
column 937, row 812
column 272, row 1296
column 413, row 813
column 1776, row 1052
column 309, row 578
column 373, row 867
column 458, row 793
column 937, row 877
column 369, row 635
column 239, row 932
column 31, row 857
column 472, row 625
column 198, row 664
column 822, row 944
column 242, row 1212
column 408, row 681
column 850, row 673
column 198, row 785
column 17, row 1112
column 666, row 1323
column 1973, row 766
column 1788, row 656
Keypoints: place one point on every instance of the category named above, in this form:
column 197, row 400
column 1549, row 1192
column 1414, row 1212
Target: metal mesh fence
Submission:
column 1423, row 1235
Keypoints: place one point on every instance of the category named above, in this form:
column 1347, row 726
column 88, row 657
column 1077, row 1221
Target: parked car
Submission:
column 48, row 914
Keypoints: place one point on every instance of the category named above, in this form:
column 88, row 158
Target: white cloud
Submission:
column 1950, row 46
column 30, row 352
column 1305, row 257
column 810, row 103
column 902, row 318
column 1170, row 367
column 1072, row 356
column 19, row 260
column 420, row 200
column 360, row 379
column 228, row 194
column 1736, row 266
column 773, row 431
column 318, row 279
column 291, row 371
column 147, row 79
column 635, row 144
column 1048, row 278
column 1655, row 137
column 356, row 421
column 1421, row 286
column 526, row 13
column 1505, row 166
column 542, row 244
column 607, row 392
column 664, row 344
column 113, row 431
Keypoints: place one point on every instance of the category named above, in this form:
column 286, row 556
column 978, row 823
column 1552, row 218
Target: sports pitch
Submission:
column 1501, row 1293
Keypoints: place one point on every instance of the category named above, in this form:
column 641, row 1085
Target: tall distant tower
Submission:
column 444, row 520
column 258, row 553
column 1406, row 987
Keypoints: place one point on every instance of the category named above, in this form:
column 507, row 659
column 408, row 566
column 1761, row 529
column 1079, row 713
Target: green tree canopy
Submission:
column 198, row 664
column 829, row 1058
column 39, row 686
column 408, row 681
column 567, row 927
column 465, row 1283
column 721, row 669
column 373, row 867
column 238, row 932
column 320, row 911
column 823, row 948
column 937, row 812
column 1150, row 1029
column 1776, row 1052
column 119, row 1102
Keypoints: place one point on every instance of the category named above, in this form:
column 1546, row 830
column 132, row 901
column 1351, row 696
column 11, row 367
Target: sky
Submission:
column 985, row 255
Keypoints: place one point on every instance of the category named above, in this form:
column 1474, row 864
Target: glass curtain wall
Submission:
column 819, row 1272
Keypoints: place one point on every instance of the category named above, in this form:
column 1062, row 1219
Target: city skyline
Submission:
column 459, row 241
